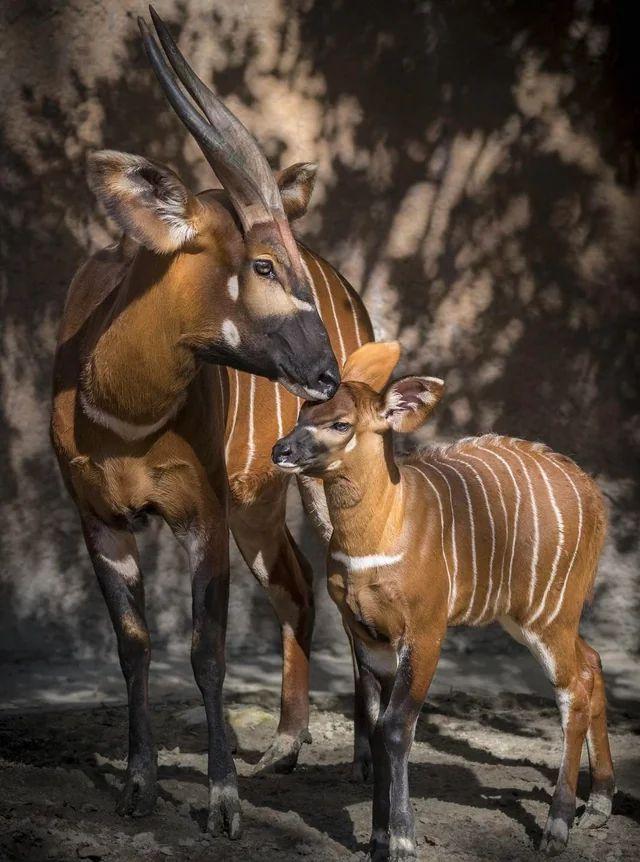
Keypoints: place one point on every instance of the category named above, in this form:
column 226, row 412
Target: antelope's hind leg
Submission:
column 114, row 555
column 279, row 566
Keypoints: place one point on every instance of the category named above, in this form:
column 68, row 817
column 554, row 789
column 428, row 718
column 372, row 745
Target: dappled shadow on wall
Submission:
column 477, row 184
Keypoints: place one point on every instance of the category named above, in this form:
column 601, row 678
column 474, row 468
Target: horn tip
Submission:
column 142, row 24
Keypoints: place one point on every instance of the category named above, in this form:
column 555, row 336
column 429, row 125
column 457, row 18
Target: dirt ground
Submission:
column 481, row 779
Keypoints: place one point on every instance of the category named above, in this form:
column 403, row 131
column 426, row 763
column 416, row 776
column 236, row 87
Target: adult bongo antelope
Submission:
column 489, row 528
column 141, row 397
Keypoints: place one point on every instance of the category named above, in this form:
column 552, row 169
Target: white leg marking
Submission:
column 235, row 412
column 516, row 518
column 440, row 509
column 536, row 527
column 260, row 569
column 541, row 652
column 575, row 550
column 251, row 448
column 564, row 699
column 454, row 548
column 472, row 528
column 343, row 352
column 114, row 548
column 278, row 410
column 560, row 545
column 369, row 561
column 356, row 325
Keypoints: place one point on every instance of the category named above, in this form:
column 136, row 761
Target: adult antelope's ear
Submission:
column 408, row 401
column 147, row 200
column 373, row 364
column 296, row 186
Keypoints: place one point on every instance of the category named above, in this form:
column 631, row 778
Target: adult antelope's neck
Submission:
column 366, row 500
column 136, row 372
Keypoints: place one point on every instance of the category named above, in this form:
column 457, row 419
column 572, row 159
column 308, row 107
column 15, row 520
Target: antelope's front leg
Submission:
column 209, row 559
column 114, row 555
column 417, row 662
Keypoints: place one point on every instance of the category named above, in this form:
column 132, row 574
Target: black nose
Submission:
column 328, row 382
column 281, row 452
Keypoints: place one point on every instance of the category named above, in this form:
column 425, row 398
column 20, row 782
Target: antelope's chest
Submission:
column 371, row 605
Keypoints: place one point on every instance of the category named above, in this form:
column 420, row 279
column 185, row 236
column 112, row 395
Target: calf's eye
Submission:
column 263, row 267
column 342, row 427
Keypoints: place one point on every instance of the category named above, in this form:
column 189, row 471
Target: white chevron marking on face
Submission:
column 370, row 561
column 233, row 288
column 230, row 333
column 352, row 443
column 301, row 304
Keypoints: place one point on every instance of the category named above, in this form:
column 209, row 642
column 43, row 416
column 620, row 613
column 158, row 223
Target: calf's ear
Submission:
column 373, row 364
column 147, row 200
column 407, row 402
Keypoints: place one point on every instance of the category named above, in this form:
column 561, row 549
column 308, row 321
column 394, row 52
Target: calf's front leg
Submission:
column 417, row 661
column 114, row 555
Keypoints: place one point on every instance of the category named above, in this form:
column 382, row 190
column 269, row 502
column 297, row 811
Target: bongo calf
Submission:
column 489, row 528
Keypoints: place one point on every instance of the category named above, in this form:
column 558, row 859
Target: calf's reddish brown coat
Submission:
column 489, row 528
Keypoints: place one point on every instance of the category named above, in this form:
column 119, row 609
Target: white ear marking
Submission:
column 230, row 333
column 233, row 288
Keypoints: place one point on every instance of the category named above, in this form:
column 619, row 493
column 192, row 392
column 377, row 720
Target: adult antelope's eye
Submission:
column 263, row 267
column 342, row 427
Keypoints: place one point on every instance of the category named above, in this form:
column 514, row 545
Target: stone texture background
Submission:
column 478, row 184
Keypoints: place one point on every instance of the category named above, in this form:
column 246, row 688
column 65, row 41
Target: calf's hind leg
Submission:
column 564, row 661
column 602, row 778
column 114, row 555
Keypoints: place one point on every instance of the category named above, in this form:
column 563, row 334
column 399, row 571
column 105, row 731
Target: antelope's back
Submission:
column 259, row 411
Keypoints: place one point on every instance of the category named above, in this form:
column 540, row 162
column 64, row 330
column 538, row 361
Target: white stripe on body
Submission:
column 506, row 536
column 556, row 611
column 235, row 413
column 128, row 430
column 343, row 352
column 536, row 527
column 369, row 561
column 441, row 510
column 353, row 309
column 516, row 518
column 311, row 283
column 454, row 548
column 474, row 560
column 560, row 522
column 278, row 410
column 251, row 448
